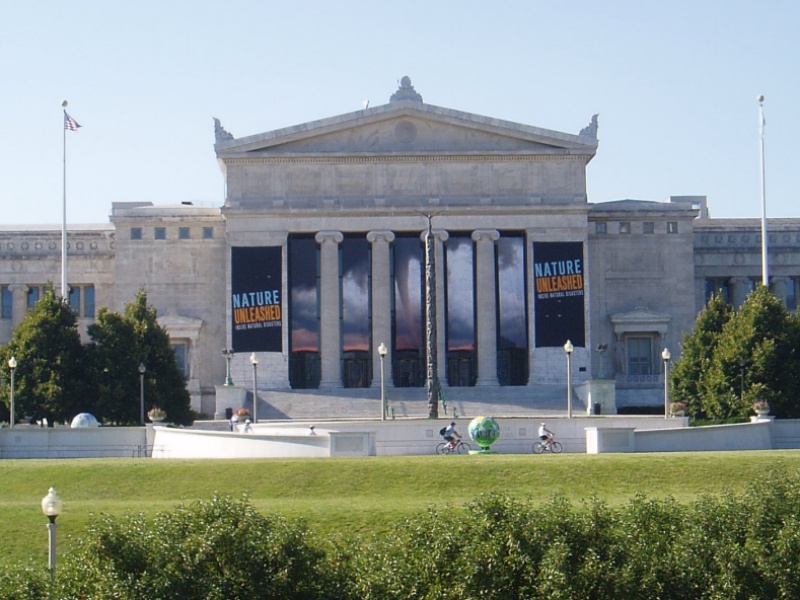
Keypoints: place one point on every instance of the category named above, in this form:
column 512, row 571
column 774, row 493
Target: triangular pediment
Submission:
column 405, row 127
column 638, row 320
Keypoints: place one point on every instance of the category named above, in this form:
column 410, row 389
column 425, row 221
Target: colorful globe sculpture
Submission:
column 484, row 431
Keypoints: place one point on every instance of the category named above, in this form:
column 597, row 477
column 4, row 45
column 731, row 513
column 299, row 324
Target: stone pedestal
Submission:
column 599, row 393
column 229, row 396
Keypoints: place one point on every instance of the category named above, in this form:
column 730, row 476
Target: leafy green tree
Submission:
column 50, row 378
column 123, row 342
column 764, row 336
column 697, row 352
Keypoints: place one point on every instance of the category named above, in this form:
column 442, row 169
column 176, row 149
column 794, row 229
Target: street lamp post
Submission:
column 382, row 350
column 142, row 369
column 568, row 348
column 51, row 507
column 254, row 362
column 665, row 356
column 228, row 354
column 12, row 364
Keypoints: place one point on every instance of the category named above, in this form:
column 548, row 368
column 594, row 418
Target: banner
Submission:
column 559, row 293
column 256, row 299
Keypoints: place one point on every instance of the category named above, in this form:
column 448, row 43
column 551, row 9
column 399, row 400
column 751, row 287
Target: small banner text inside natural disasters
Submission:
column 256, row 295
column 559, row 279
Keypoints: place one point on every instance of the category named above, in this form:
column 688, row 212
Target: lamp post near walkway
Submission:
column 254, row 362
column 665, row 356
column 382, row 350
column 142, row 370
column 12, row 364
column 51, row 507
column 568, row 348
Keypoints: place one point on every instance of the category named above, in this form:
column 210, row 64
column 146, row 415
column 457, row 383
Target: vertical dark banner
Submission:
column 559, row 278
column 256, row 295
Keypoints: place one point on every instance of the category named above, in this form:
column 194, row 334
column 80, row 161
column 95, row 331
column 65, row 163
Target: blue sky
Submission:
column 675, row 84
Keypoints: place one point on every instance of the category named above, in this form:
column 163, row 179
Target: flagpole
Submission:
column 64, row 290
column 764, row 261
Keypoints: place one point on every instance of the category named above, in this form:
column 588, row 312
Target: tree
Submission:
column 697, row 351
column 50, row 378
column 123, row 342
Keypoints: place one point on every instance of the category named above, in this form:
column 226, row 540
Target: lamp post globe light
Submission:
column 382, row 350
column 142, row 370
column 12, row 364
column 254, row 362
column 665, row 356
column 568, row 348
column 51, row 507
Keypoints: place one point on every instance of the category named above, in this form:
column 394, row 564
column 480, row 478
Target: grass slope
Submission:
column 350, row 495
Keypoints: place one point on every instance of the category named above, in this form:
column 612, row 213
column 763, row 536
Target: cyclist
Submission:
column 450, row 434
column 545, row 435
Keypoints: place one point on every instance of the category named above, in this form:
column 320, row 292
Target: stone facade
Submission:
column 363, row 186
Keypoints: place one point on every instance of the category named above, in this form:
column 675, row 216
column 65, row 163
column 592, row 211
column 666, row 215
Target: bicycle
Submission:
column 554, row 447
column 460, row 448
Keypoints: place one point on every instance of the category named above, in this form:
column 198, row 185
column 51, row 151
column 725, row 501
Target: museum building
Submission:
column 318, row 257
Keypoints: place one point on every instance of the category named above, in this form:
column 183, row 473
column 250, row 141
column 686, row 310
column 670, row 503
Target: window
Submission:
column 75, row 299
column 160, row 233
column 672, row 227
column 6, row 298
column 648, row 227
column 625, row 227
column 33, row 296
column 600, row 228
column 180, row 359
column 136, row 233
column 88, row 301
column 183, row 233
column 790, row 299
column 640, row 361
column 208, row 233
column 718, row 286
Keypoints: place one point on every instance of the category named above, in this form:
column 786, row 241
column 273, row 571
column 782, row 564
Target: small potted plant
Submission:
column 761, row 407
column 677, row 409
column 242, row 413
column 156, row 415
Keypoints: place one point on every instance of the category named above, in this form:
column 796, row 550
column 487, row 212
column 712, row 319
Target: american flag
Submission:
column 70, row 123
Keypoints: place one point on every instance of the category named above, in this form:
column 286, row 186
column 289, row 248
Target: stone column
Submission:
column 329, row 302
column 486, row 305
column 381, row 304
column 738, row 291
column 19, row 303
column 440, row 238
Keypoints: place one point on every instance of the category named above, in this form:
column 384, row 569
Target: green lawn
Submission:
column 353, row 494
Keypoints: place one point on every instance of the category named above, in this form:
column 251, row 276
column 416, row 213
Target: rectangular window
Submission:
column 600, row 228
column 160, row 233
column 672, row 227
column 183, row 233
column 625, row 227
column 180, row 359
column 88, row 301
column 75, row 299
column 640, row 360
column 648, row 227
column 33, row 296
column 7, row 302
column 208, row 233
column 136, row 233
column 791, row 294
column 718, row 286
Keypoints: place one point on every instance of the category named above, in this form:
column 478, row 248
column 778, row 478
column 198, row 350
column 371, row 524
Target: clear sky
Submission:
column 675, row 85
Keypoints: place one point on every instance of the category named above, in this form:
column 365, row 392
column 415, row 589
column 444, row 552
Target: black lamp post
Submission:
column 12, row 364
column 228, row 354
column 142, row 370
column 568, row 348
column 254, row 362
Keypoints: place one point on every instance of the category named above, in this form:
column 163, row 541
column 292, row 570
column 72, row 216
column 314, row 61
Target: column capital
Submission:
column 18, row 287
column 382, row 235
column 329, row 236
column 438, row 235
column 485, row 235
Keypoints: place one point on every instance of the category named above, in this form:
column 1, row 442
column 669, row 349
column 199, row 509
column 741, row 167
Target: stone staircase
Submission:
column 466, row 403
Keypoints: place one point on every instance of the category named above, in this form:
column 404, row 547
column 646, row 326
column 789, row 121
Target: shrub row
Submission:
column 730, row 546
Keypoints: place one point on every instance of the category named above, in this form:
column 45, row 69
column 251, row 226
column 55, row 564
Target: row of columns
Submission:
column 330, row 301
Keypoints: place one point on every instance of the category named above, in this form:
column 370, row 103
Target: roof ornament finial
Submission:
column 591, row 129
column 220, row 135
column 406, row 91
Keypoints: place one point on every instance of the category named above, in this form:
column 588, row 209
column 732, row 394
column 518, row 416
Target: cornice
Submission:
column 491, row 158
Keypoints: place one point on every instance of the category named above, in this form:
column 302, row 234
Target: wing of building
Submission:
column 318, row 257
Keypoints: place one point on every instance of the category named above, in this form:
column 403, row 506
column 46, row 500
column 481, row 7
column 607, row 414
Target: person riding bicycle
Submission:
column 450, row 434
column 546, row 435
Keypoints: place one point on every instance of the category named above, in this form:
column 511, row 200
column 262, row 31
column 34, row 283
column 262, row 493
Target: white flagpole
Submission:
column 64, row 290
column 764, row 261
